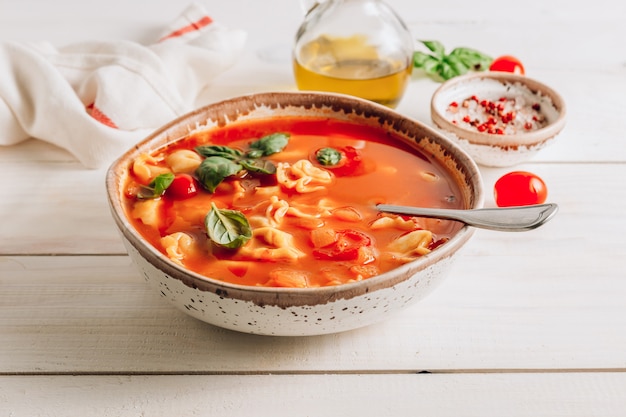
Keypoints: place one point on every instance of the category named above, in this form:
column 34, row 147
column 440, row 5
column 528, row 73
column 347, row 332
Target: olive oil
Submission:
column 350, row 66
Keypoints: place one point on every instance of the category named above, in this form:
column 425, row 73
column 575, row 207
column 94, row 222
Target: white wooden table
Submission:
column 527, row 324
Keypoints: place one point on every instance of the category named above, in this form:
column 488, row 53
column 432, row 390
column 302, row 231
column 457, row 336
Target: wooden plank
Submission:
column 84, row 314
column 55, row 207
column 448, row 395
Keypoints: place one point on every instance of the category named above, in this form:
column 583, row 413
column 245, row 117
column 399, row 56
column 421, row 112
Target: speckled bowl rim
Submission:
column 288, row 297
column 521, row 139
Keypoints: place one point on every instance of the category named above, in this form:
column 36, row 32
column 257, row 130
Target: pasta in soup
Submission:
column 288, row 202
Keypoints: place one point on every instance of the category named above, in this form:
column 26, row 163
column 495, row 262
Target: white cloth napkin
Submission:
column 96, row 99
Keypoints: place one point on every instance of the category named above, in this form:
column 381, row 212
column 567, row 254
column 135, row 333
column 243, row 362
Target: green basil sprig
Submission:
column 268, row 145
column 157, row 186
column 328, row 156
column 214, row 169
column 260, row 166
column 446, row 66
column 227, row 228
column 222, row 161
column 221, row 151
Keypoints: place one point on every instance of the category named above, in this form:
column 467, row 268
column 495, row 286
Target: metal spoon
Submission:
column 508, row 219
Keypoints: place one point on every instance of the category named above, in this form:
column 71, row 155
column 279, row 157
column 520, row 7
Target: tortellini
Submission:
column 412, row 244
column 303, row 176
column 276, row 246
column 183, row 161
column 177, row 246
column 386, row 222
column 148, row 211
column 145, row 168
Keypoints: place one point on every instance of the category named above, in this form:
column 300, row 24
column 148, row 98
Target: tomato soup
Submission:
column 289, row 202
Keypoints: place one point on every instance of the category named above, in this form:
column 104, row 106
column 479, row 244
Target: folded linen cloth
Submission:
column 96, row 99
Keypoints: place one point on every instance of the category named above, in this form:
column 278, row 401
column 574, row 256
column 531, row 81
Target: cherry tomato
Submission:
column 183, row 186
column 520, row 188
column 345, row 248
column 507, row 63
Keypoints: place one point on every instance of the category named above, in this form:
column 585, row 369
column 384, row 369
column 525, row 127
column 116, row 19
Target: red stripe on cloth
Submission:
column 99, row 116
column 205, row 21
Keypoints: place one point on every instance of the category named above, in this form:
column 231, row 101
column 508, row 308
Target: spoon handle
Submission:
column 511, row 219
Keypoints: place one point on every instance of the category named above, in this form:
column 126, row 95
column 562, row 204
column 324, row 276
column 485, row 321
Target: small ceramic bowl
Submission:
column 500, row 119
column 297, row 311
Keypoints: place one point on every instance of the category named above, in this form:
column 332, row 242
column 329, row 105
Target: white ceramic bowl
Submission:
column 498, row 150
column 294, row 311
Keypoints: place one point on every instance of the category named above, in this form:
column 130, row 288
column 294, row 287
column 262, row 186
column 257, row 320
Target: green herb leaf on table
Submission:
column 471, row 58
column 436, row 47
column 157, row 186
column 227, row 228
column 446, row 66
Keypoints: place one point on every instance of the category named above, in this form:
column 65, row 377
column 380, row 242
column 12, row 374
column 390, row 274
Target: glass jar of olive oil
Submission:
column 356, row 47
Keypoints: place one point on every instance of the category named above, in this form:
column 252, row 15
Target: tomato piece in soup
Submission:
column 345, row 247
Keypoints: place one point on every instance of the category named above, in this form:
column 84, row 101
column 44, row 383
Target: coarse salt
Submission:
column 503, row 116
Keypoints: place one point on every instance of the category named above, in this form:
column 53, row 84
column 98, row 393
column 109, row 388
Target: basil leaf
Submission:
column 427, row 62
column 227, row 228
column 328, row 156
column 472, row 58
column 214, row 169
column 270, row 144
column 222, row 161
column 452, row 67
column 458, row 62
column 217, row 150
column 260, row 166
column 436, row 47
column 157, row 186
column 254, row 153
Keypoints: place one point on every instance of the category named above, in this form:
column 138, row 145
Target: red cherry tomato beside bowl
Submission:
column 507, row 63
column 520, row 188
